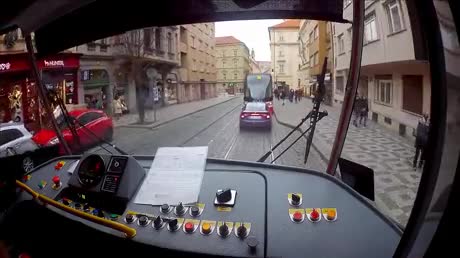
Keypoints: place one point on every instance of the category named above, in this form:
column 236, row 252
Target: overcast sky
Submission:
column 253, row 33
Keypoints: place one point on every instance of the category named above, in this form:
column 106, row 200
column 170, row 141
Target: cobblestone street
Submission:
column 375, row 146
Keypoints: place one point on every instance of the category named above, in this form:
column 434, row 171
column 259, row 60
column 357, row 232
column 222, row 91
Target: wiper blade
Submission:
column 100, row 139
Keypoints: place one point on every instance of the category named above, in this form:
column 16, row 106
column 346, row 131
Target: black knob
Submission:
column 129, row 218
column 143, row 220
column 100, row 213
column 86, row 207
column 252, row 243
column 180, row 210
column 77, row 205
column 173, row 224
column 224, row 195
column 158, row 222
column 223, row 229
column 295, row 199
column 241, row 231
column 165, row 208
column 195, row 211
column 66, row 202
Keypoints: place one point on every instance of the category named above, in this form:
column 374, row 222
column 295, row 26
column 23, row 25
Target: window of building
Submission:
column 281, row 67
column 104, row 45
column 170, row 43
column 280, row 37
column 235, row 52
column 383, row 90
column 235, row 75
column 413, row 93
column 341, row 44
column 280, row 53
column 316, row 58
column 158, row 45
column 339, row 84
column 147, row 39
column 235, row 62
column 91, row 46
column 316, row 32
column 193, row 41
column 183, row 34
column 346, row 3
column 370, row 29
column 395, row 16
column 223, row 63
column 310, row 38
column 225, row 75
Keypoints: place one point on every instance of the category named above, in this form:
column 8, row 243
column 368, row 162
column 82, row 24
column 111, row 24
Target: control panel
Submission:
column 242, row 211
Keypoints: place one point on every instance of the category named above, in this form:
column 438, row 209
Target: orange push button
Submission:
column 206, row 228
column 331, row 214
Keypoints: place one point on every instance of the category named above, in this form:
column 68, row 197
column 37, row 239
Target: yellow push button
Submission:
column 331, row 214
column 206, row 228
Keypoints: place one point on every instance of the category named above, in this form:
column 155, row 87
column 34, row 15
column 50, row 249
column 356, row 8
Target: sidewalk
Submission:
column 169, row 113
column 374, row 146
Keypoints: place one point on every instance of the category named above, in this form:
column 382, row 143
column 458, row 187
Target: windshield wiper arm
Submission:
column 320, row 116
column 100, row 139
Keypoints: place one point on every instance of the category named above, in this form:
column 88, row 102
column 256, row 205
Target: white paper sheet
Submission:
column 175, row 176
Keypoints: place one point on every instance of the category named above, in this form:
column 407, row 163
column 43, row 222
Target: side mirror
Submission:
column 358, row 177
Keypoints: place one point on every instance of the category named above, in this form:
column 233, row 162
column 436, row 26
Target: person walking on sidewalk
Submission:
column 421, row 139
column 118, row 108
column 364, row 110
column 357, row 111
column 283, row 95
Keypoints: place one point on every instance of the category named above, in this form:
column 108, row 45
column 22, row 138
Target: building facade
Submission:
column 232, row 63
column 394, row 74
column 314, row 46
column 198, row 62
column 284, row 47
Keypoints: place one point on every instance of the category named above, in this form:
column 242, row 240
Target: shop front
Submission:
column 19, row 99
column 96, row 85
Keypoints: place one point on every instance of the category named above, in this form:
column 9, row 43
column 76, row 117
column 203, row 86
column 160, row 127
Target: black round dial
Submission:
column 91, row 170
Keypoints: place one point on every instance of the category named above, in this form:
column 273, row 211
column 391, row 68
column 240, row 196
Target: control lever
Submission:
column 224, row 196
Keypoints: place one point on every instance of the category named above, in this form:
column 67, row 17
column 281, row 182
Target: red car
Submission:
column 95, row 120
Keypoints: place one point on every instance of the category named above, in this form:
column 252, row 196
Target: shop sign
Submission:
column 53, row 63
column 5, row 66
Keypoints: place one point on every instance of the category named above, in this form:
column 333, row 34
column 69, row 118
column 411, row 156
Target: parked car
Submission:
column 92, row 120
column 15, row 139
column 255, row 114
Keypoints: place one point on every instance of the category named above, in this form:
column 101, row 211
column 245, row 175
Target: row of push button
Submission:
column 206, row 227
column 180, row 210
column 313, row 214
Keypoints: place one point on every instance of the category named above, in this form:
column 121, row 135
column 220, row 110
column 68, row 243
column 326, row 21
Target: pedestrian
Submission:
column 117, row 106
column 421, row 139
column 291, row 95
column 295, row 96
column 356, row 111
column 283, row 96
column 277, row 94
column 364, row 110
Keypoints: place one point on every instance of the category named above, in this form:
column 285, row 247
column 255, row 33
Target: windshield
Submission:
column 185, row 85
column 258, row 87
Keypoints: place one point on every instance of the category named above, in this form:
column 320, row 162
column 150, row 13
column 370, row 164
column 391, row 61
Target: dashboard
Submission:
column 244, row 209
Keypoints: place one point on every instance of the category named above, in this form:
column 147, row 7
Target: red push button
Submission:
column 297, row 216
column 56, row 180
column 314, row 215
column 189, row 226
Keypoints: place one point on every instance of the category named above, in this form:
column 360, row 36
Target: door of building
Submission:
column 413, row 93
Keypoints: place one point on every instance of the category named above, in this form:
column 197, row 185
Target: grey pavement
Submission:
column 383, row 150
column 169, row 113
